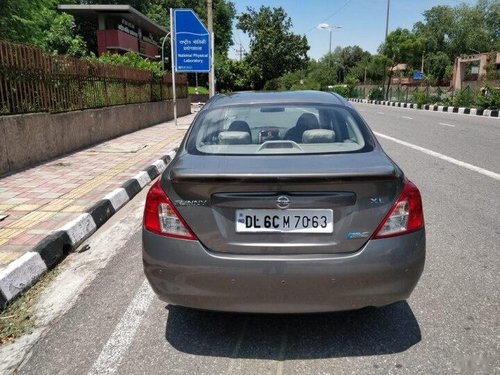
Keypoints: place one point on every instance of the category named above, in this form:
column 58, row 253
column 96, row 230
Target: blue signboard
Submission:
column 418, row 75
column 192, row 43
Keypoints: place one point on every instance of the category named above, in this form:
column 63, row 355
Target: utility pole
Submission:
column 240, row 51
column 385, row 41
column 211, row 75
column 387, row 19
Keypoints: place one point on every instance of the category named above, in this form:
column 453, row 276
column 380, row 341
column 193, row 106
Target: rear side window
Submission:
column 278, row 129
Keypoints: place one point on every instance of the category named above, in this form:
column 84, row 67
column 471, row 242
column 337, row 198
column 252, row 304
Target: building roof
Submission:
column 125, row 11
column 400, row 67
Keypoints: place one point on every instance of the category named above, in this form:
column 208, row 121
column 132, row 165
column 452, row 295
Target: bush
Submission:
column 488, row 98
column 272, row 85
column 131, row 59
column 343, row 90
column 464, row 98
column 377, row 93
column 420, row 98
column 307, row 84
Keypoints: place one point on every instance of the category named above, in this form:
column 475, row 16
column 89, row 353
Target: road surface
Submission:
column 108, row 320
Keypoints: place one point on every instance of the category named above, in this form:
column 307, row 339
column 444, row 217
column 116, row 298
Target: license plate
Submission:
column 288, row 221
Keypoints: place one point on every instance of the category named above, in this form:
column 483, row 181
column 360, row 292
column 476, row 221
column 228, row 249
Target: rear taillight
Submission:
column 406, row 215
column 161, row 217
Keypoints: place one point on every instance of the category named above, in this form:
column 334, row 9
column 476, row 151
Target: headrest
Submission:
column 318, row 136
column 234, row 138
column 307, row 121
column 239, row 126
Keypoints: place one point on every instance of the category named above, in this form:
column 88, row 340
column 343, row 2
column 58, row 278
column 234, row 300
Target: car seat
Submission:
column 306, row 121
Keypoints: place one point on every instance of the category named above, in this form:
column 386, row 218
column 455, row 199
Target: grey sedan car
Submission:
column 282, row 202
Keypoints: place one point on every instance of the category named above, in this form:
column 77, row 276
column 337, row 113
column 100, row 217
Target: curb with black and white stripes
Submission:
column 24, row 271
column 431, row 107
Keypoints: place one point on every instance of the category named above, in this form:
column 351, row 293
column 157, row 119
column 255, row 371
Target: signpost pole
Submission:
column 212, row 65
column 210, row 35
column 174, row 96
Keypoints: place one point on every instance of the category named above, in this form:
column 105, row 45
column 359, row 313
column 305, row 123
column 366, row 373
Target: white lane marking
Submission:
column 445, row 124
column 237, row 347
column 407, row 117
column 462, row 164
column 495, row 119
column 380, row 113
column 121, row 338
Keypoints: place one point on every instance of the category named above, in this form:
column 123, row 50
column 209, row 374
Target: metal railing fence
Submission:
column 484, row 97
column 34, row 81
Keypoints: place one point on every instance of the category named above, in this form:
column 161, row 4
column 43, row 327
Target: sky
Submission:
column 362, row 21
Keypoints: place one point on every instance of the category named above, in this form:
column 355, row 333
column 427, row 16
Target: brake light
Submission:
column 161, row 216
column 406, row 215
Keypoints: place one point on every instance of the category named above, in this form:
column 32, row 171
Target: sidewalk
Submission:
column 66, row 199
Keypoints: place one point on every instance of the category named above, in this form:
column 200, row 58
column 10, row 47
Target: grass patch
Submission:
column 18, row 317
column 201, row 90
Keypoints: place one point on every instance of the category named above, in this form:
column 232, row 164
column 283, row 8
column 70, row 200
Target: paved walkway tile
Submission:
column 39, row 200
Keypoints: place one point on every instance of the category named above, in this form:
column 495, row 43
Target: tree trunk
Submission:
column 391, row 72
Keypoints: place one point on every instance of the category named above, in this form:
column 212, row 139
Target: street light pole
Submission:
column 330, row 51
column 330, row 28
column 163, row 51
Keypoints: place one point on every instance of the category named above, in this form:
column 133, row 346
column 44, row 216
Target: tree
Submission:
column 345, row 59
column 377, row 66
column 464, row 29
column 274, row 49
column 323, row 71
column 471, row 33
column 401, row 46
column 37, row 22
column 231, row 75
column 60, row 37
column 436, row 29
column 437, row 66
column 351, row 55
column 223, row 15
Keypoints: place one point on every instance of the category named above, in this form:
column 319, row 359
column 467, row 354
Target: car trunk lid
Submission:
column 213, row 193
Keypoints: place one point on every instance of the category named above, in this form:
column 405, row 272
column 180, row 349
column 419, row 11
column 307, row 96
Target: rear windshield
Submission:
column 282, row 129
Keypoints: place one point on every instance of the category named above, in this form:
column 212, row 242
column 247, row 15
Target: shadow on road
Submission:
column 365, row 332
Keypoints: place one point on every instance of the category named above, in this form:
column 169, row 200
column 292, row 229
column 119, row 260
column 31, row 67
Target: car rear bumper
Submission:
column 183, row 272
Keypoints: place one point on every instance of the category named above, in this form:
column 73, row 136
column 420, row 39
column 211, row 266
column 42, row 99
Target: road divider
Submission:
column 494, row 113
column 24, row 271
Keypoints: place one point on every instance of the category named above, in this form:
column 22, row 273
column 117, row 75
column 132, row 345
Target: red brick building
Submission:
column 121, row 28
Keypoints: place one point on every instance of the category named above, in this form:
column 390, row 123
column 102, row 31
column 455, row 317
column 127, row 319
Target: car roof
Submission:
column 276, row 97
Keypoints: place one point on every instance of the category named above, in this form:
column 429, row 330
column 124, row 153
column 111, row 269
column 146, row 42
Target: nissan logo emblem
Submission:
column 282, row 202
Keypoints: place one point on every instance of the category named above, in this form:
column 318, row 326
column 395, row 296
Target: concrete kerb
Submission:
column 494, row 113
column 19, row 275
